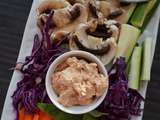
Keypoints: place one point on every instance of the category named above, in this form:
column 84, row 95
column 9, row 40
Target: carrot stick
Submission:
column 36, row 117
column 44, row 116
column 28, row 116
column 21, row 114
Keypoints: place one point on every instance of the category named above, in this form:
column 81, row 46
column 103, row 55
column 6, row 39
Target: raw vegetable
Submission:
column 28, row 116
column 31, row 89
column 121, row 102
column 146, row 59
column 21, row 114
column 51, row 110
column 141, row 12
column 127, row 40
column 36, row 117
column 135, row 68
column 149, row 15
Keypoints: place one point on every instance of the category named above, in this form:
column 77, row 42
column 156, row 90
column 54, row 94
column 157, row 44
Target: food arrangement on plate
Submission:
column 87, row 60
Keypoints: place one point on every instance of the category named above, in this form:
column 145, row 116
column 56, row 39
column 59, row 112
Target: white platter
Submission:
column 27, row 43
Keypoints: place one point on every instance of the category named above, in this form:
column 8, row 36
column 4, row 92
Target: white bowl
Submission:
column 53, row 96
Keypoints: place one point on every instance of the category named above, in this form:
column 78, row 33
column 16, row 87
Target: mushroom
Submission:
column 47, row 5
column 115, row 9
column 115, row 13
column 103, row 47
column 59, row 35
column 65, row 19
column 94, row 11
column 113, row 28
column 75, row 20
column 110, row 9
column 45, row 8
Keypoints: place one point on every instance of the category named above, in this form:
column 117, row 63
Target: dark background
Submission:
column 13, row 17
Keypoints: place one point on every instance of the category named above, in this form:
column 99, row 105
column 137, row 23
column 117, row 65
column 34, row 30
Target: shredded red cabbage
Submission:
column 121, row 102
column 31, row 89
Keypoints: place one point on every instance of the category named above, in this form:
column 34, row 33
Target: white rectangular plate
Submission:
column 26, row 46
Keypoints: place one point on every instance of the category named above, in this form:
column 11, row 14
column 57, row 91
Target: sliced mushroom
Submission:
column 106, row 54
column 107, row 58
column 42, row 20
column 48, row 5
column 113, row 28
column 45, row 8
column 101, row 51
column 61, row 17
column 100, row 31
column 114, row 9
column 72, row 25
column 102, row 48
column 59, row 35
column 94, row 11
column 115, row 13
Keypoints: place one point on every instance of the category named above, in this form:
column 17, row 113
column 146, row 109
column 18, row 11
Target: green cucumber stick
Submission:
column 141, row 13
column 146, row 59
column 127, row 41
column 135, row 68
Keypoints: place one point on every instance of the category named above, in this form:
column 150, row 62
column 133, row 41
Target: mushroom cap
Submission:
column 51, row 4
column 107, row 57
column 104, row 49
column 74, row 24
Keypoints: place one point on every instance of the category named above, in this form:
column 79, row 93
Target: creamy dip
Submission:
column 78, row 82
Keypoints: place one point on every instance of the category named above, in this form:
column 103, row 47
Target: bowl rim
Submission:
column 52, row 95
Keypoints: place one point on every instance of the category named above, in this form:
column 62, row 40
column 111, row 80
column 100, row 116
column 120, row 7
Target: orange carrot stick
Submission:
column 28, row 116
column 36, row 117
column 21, row 114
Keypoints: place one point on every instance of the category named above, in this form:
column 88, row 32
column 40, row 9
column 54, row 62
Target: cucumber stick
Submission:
column 127, row 40
column 141, row 12
column 146, row 59
column 135, row 68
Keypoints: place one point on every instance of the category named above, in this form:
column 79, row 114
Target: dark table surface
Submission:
column 13, row 17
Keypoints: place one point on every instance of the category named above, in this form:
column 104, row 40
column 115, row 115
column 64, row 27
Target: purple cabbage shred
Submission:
column 31, row 89
column 121, row 102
